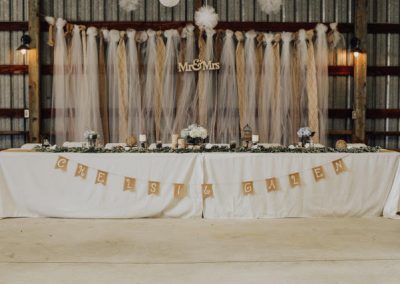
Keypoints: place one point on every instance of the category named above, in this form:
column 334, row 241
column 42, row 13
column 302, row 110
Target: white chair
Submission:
column 110, row 146
column 30, row 146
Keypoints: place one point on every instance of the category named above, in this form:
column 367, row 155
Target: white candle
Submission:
column 181, row 143
column 255, row 138
column 174, row 138
column 142, row 138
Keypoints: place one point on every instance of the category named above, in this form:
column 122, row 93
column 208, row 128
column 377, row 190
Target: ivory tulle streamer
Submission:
column 335, row 38
column 51, row 21
column 313, row 121
column 76, row 94
column 92, row 120
column 103, row 98
column 276, row 127
column 250, row 80
column 302, row 67
column 296, row 92
column 321, row 64
column 134, row 87
column 61, row 108
column 169, row 90
column 201, row 89
column 188, row 100
column 210, row 87
column 240, row 75
column 286, row 89
column 227, row 118
column 265, row 104
column 159, row 83
column 112, row 79
column 123, row 100
column 149, row 94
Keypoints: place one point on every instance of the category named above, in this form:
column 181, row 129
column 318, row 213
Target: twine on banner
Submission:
column 180, row 189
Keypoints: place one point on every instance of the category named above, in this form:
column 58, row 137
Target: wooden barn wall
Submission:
column 383, row 49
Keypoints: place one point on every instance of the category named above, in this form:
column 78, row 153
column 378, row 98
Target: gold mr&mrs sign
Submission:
column 198, row 65
column 180, row 190
column 294, row 178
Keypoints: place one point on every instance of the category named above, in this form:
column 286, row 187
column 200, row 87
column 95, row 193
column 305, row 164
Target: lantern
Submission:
column 247, row 134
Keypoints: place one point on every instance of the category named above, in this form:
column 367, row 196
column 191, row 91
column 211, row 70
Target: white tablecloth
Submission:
column 363, row 190
column 31, row 187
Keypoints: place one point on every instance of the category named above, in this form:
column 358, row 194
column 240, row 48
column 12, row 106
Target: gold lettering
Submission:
column 81, row 171
column 339, row 166
column 179, row 191
column 129, row 184
column 207, row 190
column 101, row 177
column 272, row 184
column 294, row 179
column 154, row 188
column 62, row 163
column 318, row 173
column 248, row 187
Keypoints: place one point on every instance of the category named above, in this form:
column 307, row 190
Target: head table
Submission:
column 209, row 185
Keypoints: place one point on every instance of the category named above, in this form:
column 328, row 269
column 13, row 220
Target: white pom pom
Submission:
column 50, row 20
column 270, row 6
column 206, row 18
column 129, row 5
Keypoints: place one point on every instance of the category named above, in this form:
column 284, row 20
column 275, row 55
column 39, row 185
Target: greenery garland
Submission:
column 214, row 149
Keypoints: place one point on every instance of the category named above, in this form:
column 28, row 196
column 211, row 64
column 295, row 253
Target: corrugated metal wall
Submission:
column 13, row 88
column 383, row 92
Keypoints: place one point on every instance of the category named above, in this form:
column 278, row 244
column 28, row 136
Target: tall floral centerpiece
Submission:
column 194, row 134
column 91, row 137
column 305, row 134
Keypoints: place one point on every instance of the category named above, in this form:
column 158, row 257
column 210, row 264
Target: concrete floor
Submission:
column 199, row 251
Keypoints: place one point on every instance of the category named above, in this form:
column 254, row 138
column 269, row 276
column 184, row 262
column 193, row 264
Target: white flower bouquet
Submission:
column 305, row 134
column 194, row 134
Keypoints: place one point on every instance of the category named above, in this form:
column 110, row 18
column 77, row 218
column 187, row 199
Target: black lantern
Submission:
column 247, row 134
column 356, row 46
column 25, row 41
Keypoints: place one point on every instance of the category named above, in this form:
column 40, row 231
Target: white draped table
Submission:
column 30, row 186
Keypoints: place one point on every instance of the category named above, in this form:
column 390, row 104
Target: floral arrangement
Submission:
column 90, row 134
column 305, row 132
column 194, row 131
column 214, row 149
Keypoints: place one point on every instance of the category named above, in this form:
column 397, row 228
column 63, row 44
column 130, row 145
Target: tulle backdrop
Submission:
column 124, row 83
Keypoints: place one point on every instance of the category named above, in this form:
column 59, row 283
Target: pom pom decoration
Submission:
column 270, row 6
column 129, row 5
column 169, row 3
column 206, row 18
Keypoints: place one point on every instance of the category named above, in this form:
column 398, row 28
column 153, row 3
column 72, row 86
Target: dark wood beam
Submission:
column 34, row 71
column 13, row 26
column 360, row 71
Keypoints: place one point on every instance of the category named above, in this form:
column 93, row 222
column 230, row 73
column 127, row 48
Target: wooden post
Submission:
column 360, row 71
column 198, row 4
column 34, row 71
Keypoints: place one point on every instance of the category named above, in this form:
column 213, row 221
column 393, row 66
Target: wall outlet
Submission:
column 354, row 114
column 26, row 113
